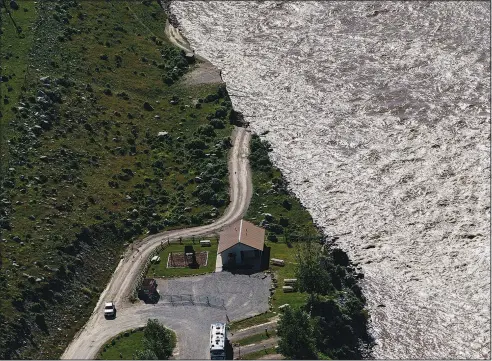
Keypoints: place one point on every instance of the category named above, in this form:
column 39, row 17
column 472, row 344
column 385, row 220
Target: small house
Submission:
column 240, row 243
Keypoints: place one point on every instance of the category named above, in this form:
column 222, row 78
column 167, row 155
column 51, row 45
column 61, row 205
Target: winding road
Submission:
column 98, row 330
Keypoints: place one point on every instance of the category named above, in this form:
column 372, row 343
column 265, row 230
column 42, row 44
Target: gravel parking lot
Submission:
column 242, row 296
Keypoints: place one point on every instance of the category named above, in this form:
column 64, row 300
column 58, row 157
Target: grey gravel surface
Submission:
column 243, row 296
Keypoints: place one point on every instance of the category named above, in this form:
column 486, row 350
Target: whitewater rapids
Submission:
column 378, row 113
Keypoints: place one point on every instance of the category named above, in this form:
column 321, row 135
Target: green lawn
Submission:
column 125, row 345
column 251, row 321
column 160, row 269
column 256, row 338
column 283, row 251
column 256, row 355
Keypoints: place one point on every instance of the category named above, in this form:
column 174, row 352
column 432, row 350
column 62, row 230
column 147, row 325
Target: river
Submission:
column 379, row 117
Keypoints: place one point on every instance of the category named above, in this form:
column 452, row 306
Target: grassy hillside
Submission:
column 101, row 144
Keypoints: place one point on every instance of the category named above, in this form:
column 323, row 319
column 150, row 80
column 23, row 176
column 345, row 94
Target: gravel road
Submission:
column 98, row 330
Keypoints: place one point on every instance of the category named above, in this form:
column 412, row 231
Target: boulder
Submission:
column 148, row 107
column 14, row 5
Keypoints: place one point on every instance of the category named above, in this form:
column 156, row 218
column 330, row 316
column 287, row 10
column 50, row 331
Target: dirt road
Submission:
column 88, row 340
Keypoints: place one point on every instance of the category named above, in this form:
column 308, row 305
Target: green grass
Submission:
column 252, row 321
column 256, row 355
column 71, row 205
column 256, row 338
column 283, row 251
column 125, row 345
column 160, row 269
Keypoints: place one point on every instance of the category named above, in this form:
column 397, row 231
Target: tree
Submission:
column 158, row 339
column 296, row 335
column 158, row 342
column 312, row 276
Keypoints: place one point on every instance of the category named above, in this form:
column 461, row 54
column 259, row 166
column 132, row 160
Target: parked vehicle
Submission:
column 218, row 341
column 109, row 310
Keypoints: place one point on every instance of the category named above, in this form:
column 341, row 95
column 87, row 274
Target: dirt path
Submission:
column 205, row 72
column 90, row 338
column 176, row 38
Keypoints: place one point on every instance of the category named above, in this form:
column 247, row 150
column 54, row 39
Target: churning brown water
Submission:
column 378, row 113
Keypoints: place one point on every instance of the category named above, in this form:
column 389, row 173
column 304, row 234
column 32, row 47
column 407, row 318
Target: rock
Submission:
column 16, row 239
column 46, row 125
column 268, row 216
column 157, row 117
column 38, row 280
column 43, row 158
column 162, row 134
column 14, row 5
column 37, row 129
column 148, row 107
column 45, row 79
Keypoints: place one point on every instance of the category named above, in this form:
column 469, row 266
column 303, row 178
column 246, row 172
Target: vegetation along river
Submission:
column 378, row 113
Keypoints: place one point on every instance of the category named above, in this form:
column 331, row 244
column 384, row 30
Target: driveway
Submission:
column 242, row 296
column 231, row 296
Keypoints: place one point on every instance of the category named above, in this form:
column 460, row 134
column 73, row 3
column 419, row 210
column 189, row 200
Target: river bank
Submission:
column 378, row 116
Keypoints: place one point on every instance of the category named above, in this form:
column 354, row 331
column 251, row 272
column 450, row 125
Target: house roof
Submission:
column 242, row 232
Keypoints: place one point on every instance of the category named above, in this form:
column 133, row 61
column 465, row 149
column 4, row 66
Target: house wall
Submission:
column 236, row 249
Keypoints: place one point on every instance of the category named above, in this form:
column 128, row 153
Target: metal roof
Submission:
column 242, row 232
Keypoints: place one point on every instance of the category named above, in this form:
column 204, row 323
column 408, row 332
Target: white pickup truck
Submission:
column 109, row 310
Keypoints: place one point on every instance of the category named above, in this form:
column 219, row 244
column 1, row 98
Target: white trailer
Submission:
column 218, row 341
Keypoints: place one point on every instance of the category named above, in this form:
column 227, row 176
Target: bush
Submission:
column 159, row 342
column 259, row 155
